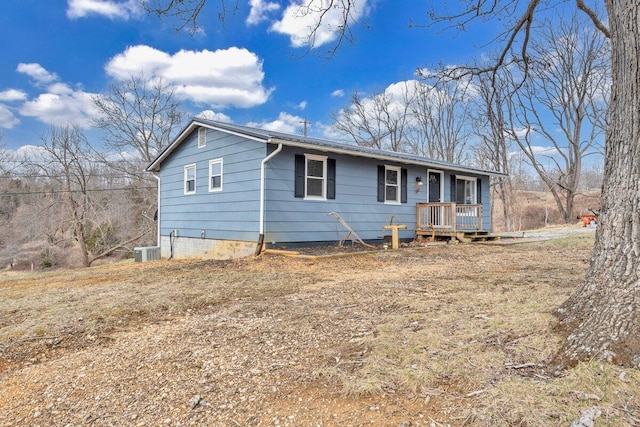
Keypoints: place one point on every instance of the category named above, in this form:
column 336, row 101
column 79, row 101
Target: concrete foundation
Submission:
column 188, row 247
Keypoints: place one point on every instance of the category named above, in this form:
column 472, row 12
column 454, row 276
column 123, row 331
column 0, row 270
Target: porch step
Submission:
column 475, row 236
column 461, row 236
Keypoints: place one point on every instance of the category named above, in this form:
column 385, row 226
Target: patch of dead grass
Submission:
column 455, row 335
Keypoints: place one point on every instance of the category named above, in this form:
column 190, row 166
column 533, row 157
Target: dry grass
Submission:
column 459, row 335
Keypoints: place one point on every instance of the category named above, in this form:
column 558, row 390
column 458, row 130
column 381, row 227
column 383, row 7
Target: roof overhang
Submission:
column 195, row 123
column 387, row 157
column 265, row 136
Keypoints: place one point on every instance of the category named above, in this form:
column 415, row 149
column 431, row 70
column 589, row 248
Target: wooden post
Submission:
column 395, row 243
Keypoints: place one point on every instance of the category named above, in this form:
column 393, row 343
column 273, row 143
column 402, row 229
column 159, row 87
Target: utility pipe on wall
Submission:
column 156, row 176
column 263, row 165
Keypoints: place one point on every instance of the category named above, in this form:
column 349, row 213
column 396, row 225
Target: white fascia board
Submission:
column 155, row 165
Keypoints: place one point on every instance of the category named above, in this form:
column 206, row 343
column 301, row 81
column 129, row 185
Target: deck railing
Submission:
column 448, row 216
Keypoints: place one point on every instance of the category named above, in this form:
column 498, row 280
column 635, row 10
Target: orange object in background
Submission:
column 588, row 219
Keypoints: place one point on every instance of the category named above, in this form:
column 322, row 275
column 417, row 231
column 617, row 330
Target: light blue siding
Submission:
column 291, row 219
column 230, row 214
column 233, row 213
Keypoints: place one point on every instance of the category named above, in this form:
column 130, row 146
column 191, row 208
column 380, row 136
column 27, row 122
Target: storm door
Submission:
column 435, row 190
column 434, row 186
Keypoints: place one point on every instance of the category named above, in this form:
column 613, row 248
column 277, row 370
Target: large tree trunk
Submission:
column 602, row 318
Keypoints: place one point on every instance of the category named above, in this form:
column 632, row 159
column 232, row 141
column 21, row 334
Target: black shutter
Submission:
column 403, row 185
column 479, row 191
column 331, row 178
column 299, row 176
column 453, row 192
column 381, row 183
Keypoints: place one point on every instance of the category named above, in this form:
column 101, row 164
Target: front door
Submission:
column 433, row 180
column 434, row 188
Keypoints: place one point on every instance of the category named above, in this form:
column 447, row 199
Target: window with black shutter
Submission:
column 315, row 177
column 392, row 184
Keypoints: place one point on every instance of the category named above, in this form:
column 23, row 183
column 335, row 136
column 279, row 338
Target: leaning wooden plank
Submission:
column 352, row 235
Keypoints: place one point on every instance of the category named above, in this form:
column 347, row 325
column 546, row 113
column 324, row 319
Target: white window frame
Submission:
column 187, row 168
column 211, row 175
column 473, row 182
column 398, row 185
column 202, row 137
column 317, row 158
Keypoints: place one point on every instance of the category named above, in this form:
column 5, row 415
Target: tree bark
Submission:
column 602, row 318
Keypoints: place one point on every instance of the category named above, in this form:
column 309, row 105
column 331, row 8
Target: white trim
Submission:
column 155, row 165
column 474, row 187
column 398, row 170
column 263, row 165
column 157, row 177
column 316, row 158
column 213, row 162
column 184, row 181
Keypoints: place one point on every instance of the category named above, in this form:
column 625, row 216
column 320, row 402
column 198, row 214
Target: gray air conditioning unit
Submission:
column 146, row 253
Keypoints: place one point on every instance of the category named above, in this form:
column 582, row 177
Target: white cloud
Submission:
column 30, row 151
column 59, row 103
column 396, row 100
column 221, row 78
column 539, row 150
column 37, row 72
column 107, row 8
column 138, row 59
column 316, row 22
column 12, row 95
column 338, row 93
column 7, row 119
column 285, row 123
column 212, row 115
column 259, row 11
column 62, row 104
column 522, row 132
column 302, row 105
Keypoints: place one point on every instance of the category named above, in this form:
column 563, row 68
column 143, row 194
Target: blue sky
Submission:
column 255, row 70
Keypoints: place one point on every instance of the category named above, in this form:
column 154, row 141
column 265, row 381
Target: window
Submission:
column 190, row 179
column 315, row 177
column 202, row 137
column 392, row 184
column 215, row 175
column 316, row 170
column 465, row 190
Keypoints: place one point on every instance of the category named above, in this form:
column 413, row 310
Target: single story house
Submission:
column 229, row 191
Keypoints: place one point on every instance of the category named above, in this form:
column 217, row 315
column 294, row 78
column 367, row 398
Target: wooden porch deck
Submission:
column 451, row 221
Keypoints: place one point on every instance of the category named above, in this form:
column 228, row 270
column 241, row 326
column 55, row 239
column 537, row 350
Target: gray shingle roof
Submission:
column 313, row 143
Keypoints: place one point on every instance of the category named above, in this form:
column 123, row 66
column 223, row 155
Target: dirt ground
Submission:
column 443, row 335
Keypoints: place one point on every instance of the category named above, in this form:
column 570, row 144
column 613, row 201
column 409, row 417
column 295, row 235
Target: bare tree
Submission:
column 600, row 319
column 410, row 116
column 441, row 119
column 495, row 147
column 65, row 162
column 140, row 114
column 187, row 13
column 74, row 175
column 564, row 102
column 381, row 121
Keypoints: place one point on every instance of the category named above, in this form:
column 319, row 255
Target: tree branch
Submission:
column 594, row 18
